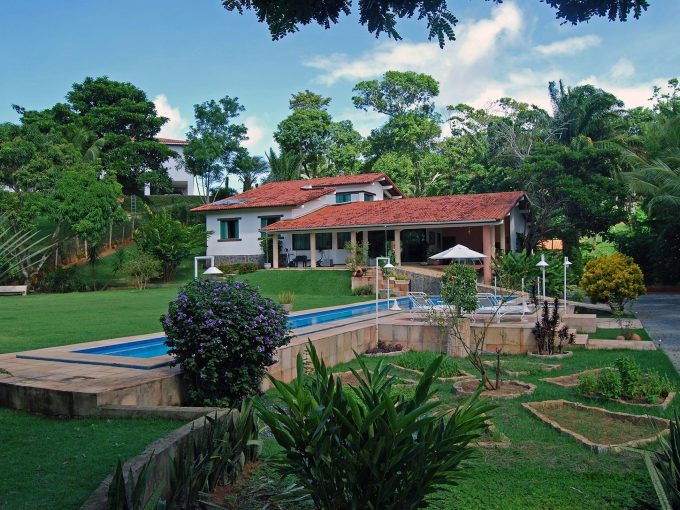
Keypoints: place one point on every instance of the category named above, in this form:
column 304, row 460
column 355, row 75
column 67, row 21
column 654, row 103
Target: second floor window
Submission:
column 341, row 198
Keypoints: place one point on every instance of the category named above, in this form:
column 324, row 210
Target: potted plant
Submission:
column 287, row 300
column 266, row 245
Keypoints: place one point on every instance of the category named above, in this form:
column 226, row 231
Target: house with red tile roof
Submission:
column 311, row 221
column 183, row 183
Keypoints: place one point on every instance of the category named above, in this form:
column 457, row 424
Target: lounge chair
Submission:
column 421, row 303
column 490, row 304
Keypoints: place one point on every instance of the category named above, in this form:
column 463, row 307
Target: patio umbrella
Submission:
column 460, row 253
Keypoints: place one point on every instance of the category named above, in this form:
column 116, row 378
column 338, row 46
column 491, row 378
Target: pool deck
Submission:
column 59, row 381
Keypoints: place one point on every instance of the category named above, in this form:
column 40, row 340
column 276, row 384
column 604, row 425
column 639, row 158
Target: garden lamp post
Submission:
column 566, row 265
column 212, row 272
column 543, row 264
column 377, row 288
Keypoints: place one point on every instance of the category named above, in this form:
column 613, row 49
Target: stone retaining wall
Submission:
column 422, row 282
column 240, row 259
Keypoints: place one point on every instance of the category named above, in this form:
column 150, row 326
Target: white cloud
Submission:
column 176, row 126
column 624, row 68
column 569, row 46
column 259, row 136
column 477, row 42
column 632, row 95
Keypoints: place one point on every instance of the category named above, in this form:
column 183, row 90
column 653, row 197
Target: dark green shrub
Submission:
column 63, row 280
column 631, row 376
column 385, row 452
column 587, row 383
column 609, row 383
column 459, row 288
column 224, row 335
column 238, row 268
column 363, row 290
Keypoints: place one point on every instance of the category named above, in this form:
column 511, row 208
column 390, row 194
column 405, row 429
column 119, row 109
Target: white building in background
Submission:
column 183, row 182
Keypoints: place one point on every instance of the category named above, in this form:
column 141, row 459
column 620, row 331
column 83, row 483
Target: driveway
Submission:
column 660, row 315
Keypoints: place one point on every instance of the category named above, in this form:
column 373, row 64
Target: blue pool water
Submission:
column 153, row 347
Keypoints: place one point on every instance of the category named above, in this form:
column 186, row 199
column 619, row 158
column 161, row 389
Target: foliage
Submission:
column 383, row 347
column 224, row 335
column 214, row 457
column 214, row 142
column 664, row 466
column 284, row 166
column 364, row 290
column 546, row 333
column 459, row 288
column 397, row 93
column 285, row 18
column 248, row 168
column 626, row 381
column 613, row 279
column 512, row 267
column 238, row 268
column 21, row 249
column 169, row 240
column 357, row 257
column 143, row 267
column 587, row 383
column 286, row 298
column 63, row 280
column 420, row 360
column 345, row 454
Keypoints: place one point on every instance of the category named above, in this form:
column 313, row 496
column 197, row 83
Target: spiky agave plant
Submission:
column 20, row 249
column 664, row 467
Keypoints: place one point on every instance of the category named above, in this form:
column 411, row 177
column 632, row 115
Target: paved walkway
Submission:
column 660, row 315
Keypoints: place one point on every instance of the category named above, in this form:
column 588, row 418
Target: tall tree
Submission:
column 397, row 93
column 248, row 168
column 381, row 17
column 213, row 144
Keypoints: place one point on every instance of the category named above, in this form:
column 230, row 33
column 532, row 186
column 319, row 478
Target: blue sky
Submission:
column 182, row 53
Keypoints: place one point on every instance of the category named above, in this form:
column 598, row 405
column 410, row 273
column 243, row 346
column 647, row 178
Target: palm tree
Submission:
column 583, row 110
column 283, row 167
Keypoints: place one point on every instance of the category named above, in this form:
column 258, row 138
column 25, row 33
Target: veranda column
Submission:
column 486, row 244
column 364, row 234
column 312, row 247
column 353, row 237
column 492, row 228
column 275, row 251
column 502, row 239
column 397, row 247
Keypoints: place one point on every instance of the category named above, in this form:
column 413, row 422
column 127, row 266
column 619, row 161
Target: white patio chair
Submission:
column 421, row 303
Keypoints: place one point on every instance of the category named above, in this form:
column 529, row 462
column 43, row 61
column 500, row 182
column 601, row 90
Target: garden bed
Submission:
column 571, row 380
column 508, row 389
column 561, row 355
column 598, row 429
column 349, row 379
column 491, row 438
column 415, row 363
column 663, row 404
column 517, row 369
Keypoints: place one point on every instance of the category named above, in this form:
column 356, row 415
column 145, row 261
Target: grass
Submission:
column 420, row 360
column 541, row 469
column 602, row 314
column 48, row 320
column 312, row 289
column 599, row 428
column 54, row 463
column 612, row 333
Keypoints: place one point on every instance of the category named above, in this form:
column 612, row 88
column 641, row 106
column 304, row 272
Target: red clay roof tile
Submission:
column 425, row 210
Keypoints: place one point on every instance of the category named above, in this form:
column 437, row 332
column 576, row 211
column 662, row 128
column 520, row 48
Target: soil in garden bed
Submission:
column 599, row 427
column 571, row 380
column 508, row 389
column 348, row 378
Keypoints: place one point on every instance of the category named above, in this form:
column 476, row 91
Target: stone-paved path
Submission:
column 660, row 315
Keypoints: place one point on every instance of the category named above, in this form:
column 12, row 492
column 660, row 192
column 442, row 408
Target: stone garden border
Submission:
column 663, row 405
column 535, row 409
column 387, row 354
column 528, row 389
column 545, row 367
column 562, row 355
column 563, row 379
column 463, row 374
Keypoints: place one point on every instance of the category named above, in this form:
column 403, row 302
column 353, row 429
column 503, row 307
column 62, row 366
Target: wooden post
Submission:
column 486, row 243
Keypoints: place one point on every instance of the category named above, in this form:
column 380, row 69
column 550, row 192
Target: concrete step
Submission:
column 581, row 339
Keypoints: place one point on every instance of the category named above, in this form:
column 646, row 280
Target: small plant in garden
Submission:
column 143, row 267
column 384, row 348
column 224, row 335
column 420, row 360
column 609, row 383
column 357, row 259
column 374, row 450
column 286, row 297
column 545, row 331
column 587, row 383
column 364, row 290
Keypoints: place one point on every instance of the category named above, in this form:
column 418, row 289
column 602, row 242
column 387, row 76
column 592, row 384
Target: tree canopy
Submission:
column 284, row 18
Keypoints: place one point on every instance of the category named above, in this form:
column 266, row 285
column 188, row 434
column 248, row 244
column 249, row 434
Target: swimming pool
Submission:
column 154, row 347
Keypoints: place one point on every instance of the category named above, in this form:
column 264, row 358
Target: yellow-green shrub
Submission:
column 613, row 279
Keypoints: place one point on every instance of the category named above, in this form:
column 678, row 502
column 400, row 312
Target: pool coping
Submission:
column 69, row 353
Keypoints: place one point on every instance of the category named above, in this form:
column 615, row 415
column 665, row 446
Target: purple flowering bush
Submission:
column 224, row 336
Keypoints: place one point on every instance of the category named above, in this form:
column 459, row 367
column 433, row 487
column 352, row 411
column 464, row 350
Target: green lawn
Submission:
column 47, row 320
column 50, row 463
column 542, row 469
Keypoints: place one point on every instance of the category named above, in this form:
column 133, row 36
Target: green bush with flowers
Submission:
column 223, row 335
